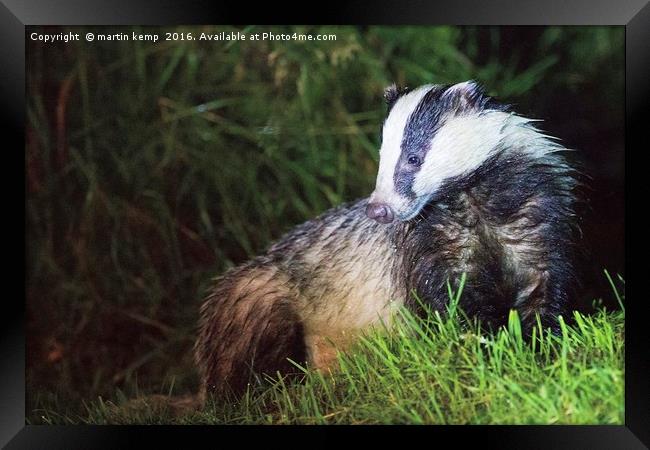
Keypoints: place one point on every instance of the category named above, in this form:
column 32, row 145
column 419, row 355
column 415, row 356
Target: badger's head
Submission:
column 433, row 136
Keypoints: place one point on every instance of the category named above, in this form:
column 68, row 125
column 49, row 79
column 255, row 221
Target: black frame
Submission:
column 16, row 14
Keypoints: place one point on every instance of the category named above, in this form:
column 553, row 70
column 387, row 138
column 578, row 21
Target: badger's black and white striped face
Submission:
column 432, row 135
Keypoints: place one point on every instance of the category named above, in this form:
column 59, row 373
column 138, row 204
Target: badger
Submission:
column 464, row 186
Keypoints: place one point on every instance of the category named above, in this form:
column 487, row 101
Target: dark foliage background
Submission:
column 152, row 168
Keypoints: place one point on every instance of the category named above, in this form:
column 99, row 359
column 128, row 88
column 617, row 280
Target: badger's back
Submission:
column 340, row 263
column 313, row 289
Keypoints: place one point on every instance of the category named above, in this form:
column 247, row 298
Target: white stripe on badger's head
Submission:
column 432, row 135
column 392, row 136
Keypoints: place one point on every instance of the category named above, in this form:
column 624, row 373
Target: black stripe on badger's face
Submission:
column 420, row 129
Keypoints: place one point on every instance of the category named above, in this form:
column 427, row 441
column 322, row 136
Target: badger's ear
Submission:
column 392, row 93
column 466, row 95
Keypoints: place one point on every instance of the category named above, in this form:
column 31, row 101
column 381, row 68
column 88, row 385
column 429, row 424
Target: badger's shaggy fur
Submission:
column 464, row 186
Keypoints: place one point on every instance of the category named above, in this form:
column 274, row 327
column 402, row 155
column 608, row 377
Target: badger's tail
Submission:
column 248, row 326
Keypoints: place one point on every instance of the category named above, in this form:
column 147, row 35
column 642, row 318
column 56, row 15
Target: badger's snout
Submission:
column 381, row 212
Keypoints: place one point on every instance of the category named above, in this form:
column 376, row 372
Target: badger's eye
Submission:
column 413, row 160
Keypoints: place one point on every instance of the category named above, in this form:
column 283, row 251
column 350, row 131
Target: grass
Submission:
column 152, row 168
column 440, row 369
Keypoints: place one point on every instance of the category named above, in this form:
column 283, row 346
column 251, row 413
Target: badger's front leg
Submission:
column 544, row 277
